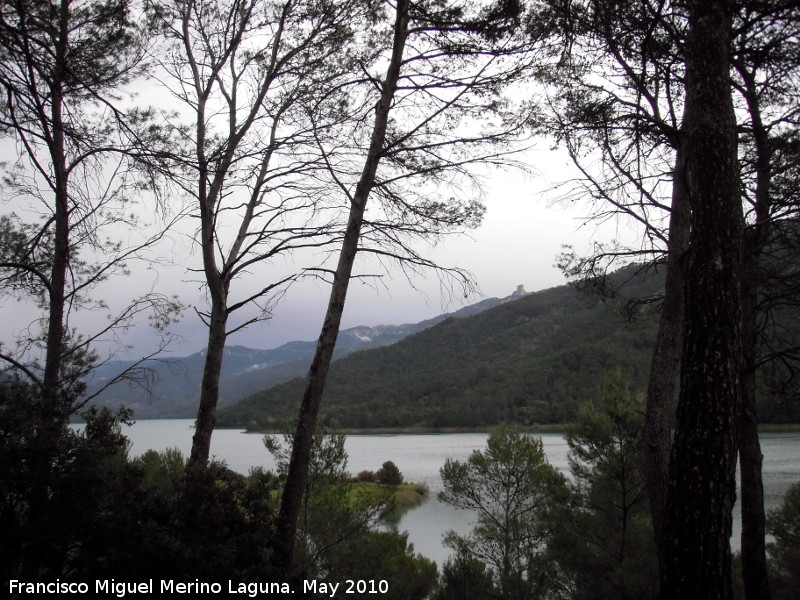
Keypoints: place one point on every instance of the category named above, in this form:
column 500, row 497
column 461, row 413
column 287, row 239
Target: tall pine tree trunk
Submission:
column 51, row 377
column 297, row 474
column 209, row 388
column 218, row 287
column 52, row 414
column 666, row 362
column 754, row 554
column 702, row 486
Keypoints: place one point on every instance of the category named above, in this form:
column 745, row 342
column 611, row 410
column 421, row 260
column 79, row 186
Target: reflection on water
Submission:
column 420, row 457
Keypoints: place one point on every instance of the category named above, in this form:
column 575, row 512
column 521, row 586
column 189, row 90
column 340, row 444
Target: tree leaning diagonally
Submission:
column 442, row 71
column 291, row 498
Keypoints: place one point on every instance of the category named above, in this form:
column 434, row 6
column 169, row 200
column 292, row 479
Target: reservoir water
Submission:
column 420, row 457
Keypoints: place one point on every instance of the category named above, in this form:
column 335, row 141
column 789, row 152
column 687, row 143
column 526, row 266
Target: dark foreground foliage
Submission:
column 540, row 535
column 77, row 507
column 784, row 552
column 74, row 506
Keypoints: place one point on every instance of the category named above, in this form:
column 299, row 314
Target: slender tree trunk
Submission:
column 53, row 413
column 58, row 271
column 702, row 487
column 209, row 388
column 754, row 552
column 665, row 366
column 218, row 286
column 297, row 474
column 754, row 558
column 37, row 554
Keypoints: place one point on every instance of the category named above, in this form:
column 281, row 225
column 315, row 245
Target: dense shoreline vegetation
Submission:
column 102, row 514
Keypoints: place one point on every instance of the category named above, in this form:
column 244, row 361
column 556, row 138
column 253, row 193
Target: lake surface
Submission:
column 420, row 457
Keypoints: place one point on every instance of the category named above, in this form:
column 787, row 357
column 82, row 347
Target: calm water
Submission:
column 420, row 457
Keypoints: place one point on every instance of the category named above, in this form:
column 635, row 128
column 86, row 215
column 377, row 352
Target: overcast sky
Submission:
column 523, row 232
column 517, row 244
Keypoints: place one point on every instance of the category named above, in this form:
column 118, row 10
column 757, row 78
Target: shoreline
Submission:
column 555, row 428
column 550, row 428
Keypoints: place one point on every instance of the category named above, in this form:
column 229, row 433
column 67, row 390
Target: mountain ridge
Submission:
column 175, row 382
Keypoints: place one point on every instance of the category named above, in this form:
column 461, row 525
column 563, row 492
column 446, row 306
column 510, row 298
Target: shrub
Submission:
column 368, row 476
column 389, row 474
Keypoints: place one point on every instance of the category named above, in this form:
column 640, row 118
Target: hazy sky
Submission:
column 522, row 233
column 518, row 242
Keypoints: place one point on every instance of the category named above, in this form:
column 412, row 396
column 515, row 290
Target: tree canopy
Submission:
column 511, row 488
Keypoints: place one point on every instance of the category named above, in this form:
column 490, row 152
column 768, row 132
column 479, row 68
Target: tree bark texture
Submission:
column 297, row 474
column 209, row 388
column 666, row 362
column 702, row 487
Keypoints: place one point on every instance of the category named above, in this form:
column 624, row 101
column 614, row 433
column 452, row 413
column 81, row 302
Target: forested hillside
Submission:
column 532, row 360
column 529, row 361
column 174, row 384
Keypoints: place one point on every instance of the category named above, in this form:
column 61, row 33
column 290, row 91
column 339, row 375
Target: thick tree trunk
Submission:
column 702, row 487
column 665, row 366
column 297, row 474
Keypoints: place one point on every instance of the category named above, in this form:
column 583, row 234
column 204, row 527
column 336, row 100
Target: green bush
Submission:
column 465, row 577
column 389, row 474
